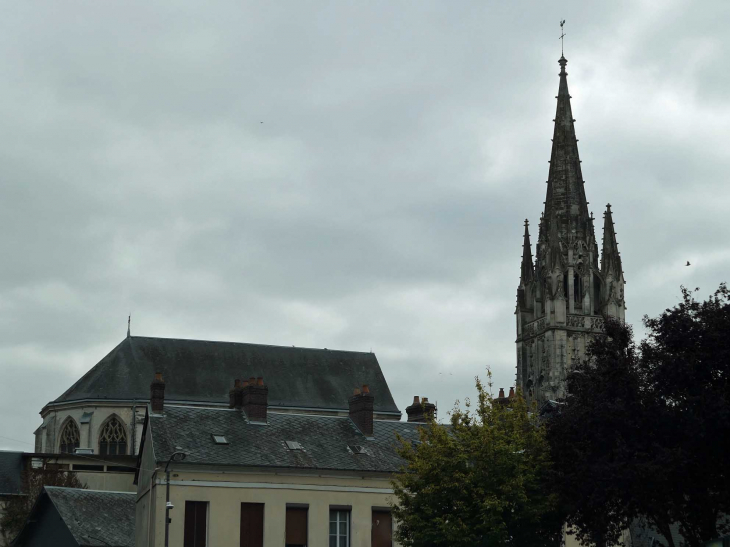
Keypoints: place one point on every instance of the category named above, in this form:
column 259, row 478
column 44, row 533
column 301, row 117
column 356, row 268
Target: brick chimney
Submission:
column 420, row 411
column 361, row 410
column 255, row 399
column 235, row 396
column 511, row 392
column 157, row 394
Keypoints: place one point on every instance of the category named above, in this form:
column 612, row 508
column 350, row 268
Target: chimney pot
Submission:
column 361, row 410
column 356, row 391
column 501, row 393
column 421, row 410
column 260, row 381
column 252, row 381
column 511, row 392
column 157, row 394
column 237, row 382
column 244, row 383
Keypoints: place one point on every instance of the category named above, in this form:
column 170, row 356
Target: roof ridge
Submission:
column 249, row 344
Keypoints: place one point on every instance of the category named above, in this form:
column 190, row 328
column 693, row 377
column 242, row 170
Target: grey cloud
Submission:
column 379, row 204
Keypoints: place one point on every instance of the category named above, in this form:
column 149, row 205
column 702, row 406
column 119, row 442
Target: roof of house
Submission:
column 11, row 470
column 203, row 372
column 326, row 441
column 90, row 526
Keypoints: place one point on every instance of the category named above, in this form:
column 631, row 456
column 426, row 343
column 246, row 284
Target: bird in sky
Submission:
column 688, row 264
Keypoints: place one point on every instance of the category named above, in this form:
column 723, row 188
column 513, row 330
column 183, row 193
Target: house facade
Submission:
column 249, row 475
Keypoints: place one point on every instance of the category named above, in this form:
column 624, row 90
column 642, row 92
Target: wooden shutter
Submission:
column 296, row 526
column 382, row 534
column 252, row 525
column 196, row 521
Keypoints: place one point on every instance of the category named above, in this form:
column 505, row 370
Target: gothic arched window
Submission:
column 69, row 438
column 113, row 438
column 577, row 289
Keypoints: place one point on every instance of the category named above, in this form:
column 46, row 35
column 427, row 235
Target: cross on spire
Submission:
column 562, row 37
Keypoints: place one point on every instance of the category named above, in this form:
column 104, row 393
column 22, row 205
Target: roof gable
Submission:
column 203, row 372
column 79, row 510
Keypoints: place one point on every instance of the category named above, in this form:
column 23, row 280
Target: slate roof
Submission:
column 80, row 510
column 11, row 469
column 325, row 440
column 203, row 372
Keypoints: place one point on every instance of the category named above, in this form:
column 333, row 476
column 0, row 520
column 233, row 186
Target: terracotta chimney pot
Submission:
column 260, row 381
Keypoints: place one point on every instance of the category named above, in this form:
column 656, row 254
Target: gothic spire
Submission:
column 527, row 270
column 566, row 200
column 610, row 257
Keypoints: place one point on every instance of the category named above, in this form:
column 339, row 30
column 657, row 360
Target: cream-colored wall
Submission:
column 55, row 419
column 226, row 492
column 107, row 480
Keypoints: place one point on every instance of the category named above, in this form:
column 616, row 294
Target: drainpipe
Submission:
column 178, row 457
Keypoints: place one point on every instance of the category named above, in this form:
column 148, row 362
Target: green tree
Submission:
column 645, row 430
column 33, row 480
column 484, row 480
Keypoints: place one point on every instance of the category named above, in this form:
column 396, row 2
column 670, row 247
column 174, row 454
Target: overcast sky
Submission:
column 340, row 174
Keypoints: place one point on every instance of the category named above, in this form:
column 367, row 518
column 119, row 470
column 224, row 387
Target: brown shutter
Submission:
column 196, row 520
column 296, row 526
column 252, row 525
column 382, row 534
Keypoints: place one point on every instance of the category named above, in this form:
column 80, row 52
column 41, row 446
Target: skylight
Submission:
column 219, row 439
column 293, row 445
column 357, row 449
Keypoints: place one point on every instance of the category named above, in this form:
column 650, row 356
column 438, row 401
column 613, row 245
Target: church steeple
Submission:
column 563, row 299
column 527, row 269
column 566, row 199
column 610, row 257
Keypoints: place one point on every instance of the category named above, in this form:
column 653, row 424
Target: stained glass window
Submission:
column 113, row 438
column 69, row 437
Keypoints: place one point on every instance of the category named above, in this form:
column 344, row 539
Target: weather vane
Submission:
column 562, row 36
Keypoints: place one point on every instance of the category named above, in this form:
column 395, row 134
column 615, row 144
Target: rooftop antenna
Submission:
column 129, row 325
column 562, row 36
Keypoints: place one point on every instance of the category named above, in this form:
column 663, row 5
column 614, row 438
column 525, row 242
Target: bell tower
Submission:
column 564, row 295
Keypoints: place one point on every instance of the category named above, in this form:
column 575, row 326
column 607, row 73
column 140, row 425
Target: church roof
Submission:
column 327, row 442
column 198, row 371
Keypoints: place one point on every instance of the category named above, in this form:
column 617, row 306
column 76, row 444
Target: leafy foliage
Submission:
column 645, row 430
column 483, row 481
column 33, row 481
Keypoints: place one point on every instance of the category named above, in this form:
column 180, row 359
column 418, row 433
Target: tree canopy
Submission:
column 645, row 430
column 483, row 480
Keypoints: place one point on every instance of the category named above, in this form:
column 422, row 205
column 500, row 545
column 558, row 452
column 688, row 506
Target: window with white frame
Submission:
column 339, row 528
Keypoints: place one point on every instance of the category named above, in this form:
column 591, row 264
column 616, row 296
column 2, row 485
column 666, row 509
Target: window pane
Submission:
column 333, row 541
column 343, row 528
column 343, row 541
column 333, row 528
